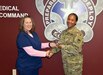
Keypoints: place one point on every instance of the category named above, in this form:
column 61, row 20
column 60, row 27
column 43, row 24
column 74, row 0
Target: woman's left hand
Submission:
column 52, row 44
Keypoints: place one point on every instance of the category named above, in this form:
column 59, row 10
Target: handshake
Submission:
column 49, row 53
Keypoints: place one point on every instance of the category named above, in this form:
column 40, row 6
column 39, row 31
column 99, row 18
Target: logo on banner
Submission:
column 55, row 12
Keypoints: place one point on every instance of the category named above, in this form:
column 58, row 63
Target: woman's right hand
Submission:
column 61, row 46
column 49, row 53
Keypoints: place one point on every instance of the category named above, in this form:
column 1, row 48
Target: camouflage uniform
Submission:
column 72, row 57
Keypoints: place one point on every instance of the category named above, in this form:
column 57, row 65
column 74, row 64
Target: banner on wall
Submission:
column 54, row 14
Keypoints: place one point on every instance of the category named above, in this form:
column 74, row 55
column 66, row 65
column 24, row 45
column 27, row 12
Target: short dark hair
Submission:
column 21, row 28
column 74, row 15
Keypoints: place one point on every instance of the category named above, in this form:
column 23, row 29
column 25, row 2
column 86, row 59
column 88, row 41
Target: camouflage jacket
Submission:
column 72, row 39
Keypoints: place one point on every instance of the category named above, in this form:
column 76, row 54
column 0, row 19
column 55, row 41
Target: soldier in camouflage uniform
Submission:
column 70, row 43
